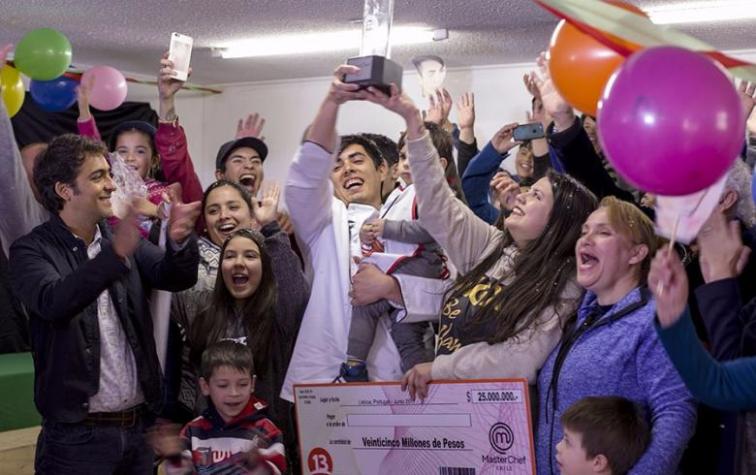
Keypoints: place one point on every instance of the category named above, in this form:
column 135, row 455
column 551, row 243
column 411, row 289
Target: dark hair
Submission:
column 541, row 269
column 221, row 183
column 370, row 147
column 418, row 60
column 61, row 163
column 442, row 142
column 257, row 312
column 226, row 353
column 611, row 426
column 387, row 147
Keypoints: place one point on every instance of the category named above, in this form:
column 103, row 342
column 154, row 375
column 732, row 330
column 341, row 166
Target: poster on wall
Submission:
column 431, row 73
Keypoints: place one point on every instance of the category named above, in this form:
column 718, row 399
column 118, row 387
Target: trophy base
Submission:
column 375, row 71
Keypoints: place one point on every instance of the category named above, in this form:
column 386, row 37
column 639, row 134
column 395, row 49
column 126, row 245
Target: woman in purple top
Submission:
column 612, row 348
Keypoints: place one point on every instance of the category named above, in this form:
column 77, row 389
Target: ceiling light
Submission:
column 305, row 43
column 699, row 12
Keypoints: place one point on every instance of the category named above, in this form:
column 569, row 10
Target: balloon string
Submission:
column 670, row 249
column 75, row 74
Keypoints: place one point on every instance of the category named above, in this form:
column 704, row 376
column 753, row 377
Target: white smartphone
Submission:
column 180, row 53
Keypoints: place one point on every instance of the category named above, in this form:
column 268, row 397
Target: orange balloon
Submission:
column 581, row 66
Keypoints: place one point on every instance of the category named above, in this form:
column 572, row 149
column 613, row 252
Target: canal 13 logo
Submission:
column 501, row 437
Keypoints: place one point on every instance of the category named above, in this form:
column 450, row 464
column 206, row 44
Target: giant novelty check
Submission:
column 462, row 428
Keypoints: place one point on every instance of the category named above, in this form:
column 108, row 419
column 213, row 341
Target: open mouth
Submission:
column 353, row 184
column 587, row 260
column 248, row 180
column 227, row 228
column 517, row 211
column 239, row 279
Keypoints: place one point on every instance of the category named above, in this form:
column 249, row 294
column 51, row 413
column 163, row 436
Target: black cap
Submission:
column 139, row 125
column 228, row 147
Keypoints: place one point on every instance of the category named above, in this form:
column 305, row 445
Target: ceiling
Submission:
column 131, row 35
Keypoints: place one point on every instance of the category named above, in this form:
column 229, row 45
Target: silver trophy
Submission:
column 376, row 69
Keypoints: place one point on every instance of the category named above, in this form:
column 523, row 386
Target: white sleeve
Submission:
column 422, row 297
column 309, row 192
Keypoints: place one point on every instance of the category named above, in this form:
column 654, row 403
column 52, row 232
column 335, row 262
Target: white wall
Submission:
column 289, row 106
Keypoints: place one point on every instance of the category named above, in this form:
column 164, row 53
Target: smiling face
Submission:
column 89, row 197
column 241, row 266
column 229, row 389
column 355, row 177
column 607, row 260
column 225, row 212
column 244, row 166
column 135, row 149
column 531, row 213
column 524, row 162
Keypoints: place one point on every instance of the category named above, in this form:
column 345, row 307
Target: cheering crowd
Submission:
column 413, row 258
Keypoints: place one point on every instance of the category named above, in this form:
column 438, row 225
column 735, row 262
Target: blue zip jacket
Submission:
column 617, row 353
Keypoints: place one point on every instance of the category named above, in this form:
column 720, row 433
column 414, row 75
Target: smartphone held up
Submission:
column 180, row 53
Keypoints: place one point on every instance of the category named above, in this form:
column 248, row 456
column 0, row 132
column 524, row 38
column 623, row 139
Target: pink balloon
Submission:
column 109, row 88
column 670, row 121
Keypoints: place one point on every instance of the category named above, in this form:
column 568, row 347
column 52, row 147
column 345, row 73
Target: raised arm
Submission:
column 728, row 386
column 722, row 257
column 170, row 138
column 466, row 238
column 308, row 191
column 293, row 289
column 467, row 146
column 480, row 171
column 85, row 123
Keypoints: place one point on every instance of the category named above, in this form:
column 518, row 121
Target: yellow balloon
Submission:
column 11, row 89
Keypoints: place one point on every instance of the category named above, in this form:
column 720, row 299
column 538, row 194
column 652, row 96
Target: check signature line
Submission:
column 405, row 404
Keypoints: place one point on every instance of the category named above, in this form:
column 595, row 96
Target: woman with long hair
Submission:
column 611, row 347
column 258, row 298
column 515, row 287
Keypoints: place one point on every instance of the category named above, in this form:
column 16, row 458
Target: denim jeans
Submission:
column 92, row 449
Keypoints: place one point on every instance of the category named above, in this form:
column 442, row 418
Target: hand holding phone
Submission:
column 180, row 53
column 530, row 131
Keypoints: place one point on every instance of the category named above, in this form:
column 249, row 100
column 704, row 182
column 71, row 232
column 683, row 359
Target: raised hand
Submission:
column 440, row 107
column 126, row 236
column 506, row 190
column 668, row 282
column 251, row 126
column 553, row 103
column 341, row 92
column 502, row 140
column 168, row 86
column 466, row 111
column 82, row 97
column 182, row 219
column 747, row 92
column 723, row 254
column 401, row 104
column 266, row 210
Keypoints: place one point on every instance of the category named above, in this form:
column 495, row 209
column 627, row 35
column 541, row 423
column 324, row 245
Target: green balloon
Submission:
column 43, row 54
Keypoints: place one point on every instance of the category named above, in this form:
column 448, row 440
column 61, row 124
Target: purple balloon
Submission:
column 670, row 121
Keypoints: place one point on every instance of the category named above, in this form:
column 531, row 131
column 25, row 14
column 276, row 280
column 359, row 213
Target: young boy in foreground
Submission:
column 602, row 435
column 233, row 435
